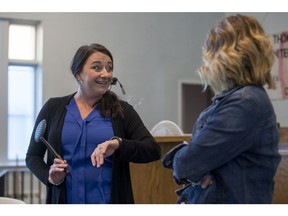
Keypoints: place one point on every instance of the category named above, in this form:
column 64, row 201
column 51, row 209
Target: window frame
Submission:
column 5, row 63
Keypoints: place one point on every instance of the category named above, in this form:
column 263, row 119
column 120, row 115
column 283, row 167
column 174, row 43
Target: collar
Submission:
column 226, row 93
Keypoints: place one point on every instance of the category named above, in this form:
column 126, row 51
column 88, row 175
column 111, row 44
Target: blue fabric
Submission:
column 235, row 140
column 194, row 194
column 85, row 183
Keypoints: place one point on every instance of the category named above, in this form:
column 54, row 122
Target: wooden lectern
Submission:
column 153, row 184
column 281, row 178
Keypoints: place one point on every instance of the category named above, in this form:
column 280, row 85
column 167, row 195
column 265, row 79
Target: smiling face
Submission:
column 96, row 75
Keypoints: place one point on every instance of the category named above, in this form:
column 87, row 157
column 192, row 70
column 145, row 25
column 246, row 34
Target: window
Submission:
column 22, row 42
column 21, row 93
column 21, row 109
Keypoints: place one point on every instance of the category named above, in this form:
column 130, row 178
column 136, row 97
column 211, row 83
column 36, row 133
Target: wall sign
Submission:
column 280, row 67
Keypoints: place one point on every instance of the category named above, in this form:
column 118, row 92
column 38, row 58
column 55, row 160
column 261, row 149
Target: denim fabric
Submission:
column 167, row 160
column 194, row 194
column 236, row 141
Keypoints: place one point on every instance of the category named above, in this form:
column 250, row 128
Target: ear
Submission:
column 78, row 77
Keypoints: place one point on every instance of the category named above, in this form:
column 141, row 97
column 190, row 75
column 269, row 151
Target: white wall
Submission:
column 152, row 52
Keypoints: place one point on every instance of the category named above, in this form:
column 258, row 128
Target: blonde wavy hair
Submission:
column 237, row 52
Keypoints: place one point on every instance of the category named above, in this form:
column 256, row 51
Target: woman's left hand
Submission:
column 206, row 181
column 103, row 150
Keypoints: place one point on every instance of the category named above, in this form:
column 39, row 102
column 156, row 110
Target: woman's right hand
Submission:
column 57, row 171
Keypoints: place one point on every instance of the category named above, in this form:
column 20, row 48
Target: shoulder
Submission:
column 125, row 105
column 128, row 110
column 60, row 100
column 252, row 94
column 56, row 103
column 254, row 99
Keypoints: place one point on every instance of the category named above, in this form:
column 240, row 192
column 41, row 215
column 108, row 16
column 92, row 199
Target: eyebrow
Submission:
column 101, row 61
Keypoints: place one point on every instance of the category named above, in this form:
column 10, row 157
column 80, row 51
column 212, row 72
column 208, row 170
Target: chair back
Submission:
column 7, row 200
column 166, row 128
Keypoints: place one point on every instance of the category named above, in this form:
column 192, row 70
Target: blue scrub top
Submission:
column 86, row 184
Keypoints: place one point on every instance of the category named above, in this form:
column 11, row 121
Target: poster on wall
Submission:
column 280, row 67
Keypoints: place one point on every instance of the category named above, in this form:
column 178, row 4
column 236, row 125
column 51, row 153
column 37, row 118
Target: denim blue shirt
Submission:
column 236, row 141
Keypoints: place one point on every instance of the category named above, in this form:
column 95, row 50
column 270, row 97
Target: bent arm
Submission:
column 222, row 138
column 138, row 145
column 36, row 151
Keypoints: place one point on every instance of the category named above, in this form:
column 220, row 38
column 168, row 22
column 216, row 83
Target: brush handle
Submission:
column 53, row 151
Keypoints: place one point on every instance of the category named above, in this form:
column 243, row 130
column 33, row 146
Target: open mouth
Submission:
column 102, row 82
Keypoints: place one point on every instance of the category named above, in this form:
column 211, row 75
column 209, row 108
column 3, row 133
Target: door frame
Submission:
column 180, row 93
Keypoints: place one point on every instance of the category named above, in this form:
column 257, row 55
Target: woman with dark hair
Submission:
column 233, row 154
column 96, row 134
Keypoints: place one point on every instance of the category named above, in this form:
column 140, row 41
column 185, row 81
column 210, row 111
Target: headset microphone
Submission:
column 114, row 82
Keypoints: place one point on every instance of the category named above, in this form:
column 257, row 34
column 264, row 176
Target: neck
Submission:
column 89, row 102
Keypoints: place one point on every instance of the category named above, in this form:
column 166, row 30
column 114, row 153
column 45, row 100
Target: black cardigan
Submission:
column 138, row 146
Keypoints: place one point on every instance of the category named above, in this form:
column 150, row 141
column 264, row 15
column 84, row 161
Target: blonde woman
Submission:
column 233, row 154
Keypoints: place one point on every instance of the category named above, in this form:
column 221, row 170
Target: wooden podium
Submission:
column 153, row 184
column 281, row 178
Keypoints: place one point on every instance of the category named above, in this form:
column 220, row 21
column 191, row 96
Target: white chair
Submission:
column 166, row 128
column 7, row 200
